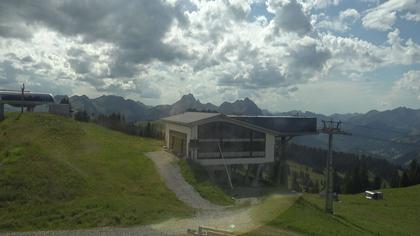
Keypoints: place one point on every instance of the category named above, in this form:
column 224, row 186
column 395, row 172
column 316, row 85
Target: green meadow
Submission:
column 397, row 214
column 56, row 173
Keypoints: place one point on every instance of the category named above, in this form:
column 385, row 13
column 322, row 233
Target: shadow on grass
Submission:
column 338, row 218
column 18, row 116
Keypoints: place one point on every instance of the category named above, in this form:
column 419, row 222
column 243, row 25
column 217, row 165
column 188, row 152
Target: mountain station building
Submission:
column 213, row 139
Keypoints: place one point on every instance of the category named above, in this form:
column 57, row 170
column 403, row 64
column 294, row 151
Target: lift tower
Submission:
column 330, row 127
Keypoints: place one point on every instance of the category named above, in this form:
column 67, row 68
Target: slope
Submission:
column 397, row 214
column 58, row 173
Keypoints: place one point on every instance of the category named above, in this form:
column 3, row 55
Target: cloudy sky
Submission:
column 320, row 55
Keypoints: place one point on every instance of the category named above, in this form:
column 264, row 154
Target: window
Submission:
column 235, row 141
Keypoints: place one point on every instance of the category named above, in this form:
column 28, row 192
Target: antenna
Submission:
column 22, row 97
column 330, row 127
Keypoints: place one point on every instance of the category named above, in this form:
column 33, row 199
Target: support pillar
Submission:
column 1, row 111
column 256, row 181
column 283, row 170
column 280, row 167
column 329, row 184
column 30, row 108
column 246, row 176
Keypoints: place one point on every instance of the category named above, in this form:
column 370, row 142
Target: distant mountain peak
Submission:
column 189, row 102
column 240, row 107
column 188, row 97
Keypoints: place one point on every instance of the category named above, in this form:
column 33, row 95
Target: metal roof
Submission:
column 277, row 125
column 284, row 125
column 29, row 98
column 187, row 118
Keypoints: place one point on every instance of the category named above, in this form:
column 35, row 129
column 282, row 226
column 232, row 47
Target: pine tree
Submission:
column 148, row 132
column 364, row 179
column 336, row 182
column 405, row 181
column 414, row 172
column 348, row 182
column 377, row 182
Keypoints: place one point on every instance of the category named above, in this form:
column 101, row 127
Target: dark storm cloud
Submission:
column 135, row 27
column 291, row 18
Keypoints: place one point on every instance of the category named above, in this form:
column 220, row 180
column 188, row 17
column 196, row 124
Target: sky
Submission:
column 326, row 56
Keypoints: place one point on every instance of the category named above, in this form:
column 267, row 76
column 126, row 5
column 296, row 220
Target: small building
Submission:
column 29, row 100
column 374, row 195
column 213, row 139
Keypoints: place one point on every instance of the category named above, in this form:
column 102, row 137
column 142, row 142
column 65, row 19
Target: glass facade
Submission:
column 234, row 140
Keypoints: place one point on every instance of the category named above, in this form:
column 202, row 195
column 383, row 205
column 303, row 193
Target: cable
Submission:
column 370, row 127
column 384, row 140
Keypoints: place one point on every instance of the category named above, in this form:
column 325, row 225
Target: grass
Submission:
column 296, row 167
column 56, row 173
column 397, row 214
column 195, row 175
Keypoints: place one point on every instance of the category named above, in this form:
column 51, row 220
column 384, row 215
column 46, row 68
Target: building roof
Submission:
column 276, row 125
column 284, row 125
column 29, row 98
column 187, row 118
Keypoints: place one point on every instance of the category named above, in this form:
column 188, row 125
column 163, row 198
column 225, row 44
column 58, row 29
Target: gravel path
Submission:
column 171, row 173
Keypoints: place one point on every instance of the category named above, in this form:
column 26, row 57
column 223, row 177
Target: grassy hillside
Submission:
column 58, row 173
column 193, row 174
column 397, row 214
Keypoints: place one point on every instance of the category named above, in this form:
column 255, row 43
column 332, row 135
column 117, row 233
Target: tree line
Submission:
column 352, row 173
column 411, row 174
column 117, row 121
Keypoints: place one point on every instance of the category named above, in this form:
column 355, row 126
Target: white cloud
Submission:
column 224, row 52
column 384, row 16
column 289, row 17
column 342, row 23
column 319, row 4
column 350, row 13
column 411, row 82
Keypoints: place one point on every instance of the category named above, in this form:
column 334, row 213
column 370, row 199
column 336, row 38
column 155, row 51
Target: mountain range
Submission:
column 137, row 111
column 392, row 134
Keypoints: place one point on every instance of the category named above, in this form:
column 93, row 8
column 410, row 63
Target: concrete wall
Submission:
column 179, row 128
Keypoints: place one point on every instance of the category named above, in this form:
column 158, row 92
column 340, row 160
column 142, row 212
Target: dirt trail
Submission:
column 171, row 173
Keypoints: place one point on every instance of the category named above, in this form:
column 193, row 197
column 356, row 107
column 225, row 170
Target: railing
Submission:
column 205, row 230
